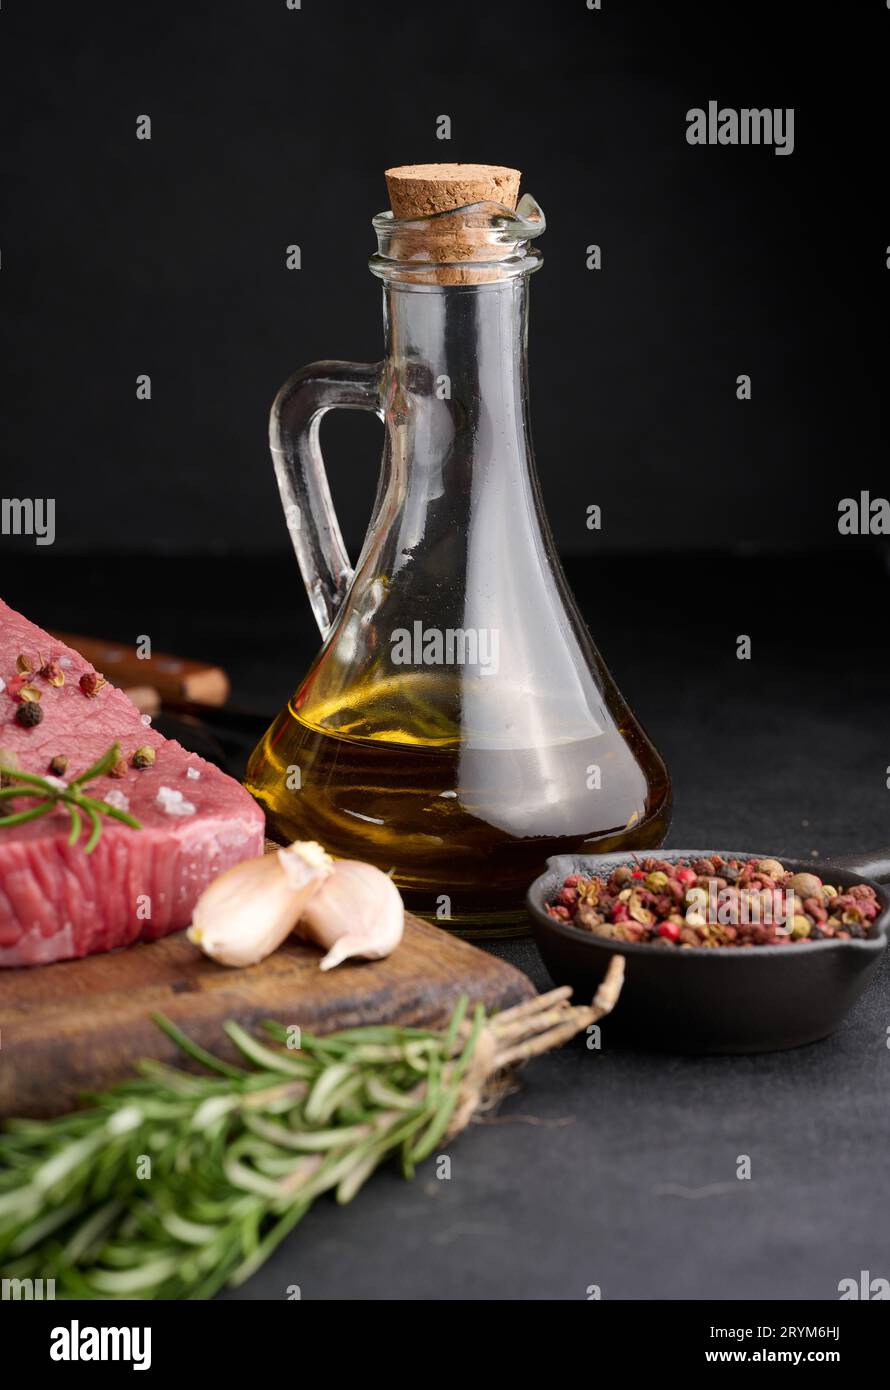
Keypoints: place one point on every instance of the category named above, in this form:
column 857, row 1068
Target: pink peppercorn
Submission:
column 615, row 903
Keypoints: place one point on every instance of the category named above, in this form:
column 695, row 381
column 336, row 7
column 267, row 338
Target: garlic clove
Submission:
column 357, row 911
column 246, row 913
column 301, row 859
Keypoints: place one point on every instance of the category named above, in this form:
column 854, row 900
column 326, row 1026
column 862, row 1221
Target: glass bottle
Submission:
column 458, row 725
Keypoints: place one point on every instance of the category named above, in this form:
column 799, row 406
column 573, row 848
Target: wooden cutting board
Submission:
column 80, row 1025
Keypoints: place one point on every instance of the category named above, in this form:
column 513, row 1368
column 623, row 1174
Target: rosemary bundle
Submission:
column 72, row 796
column 174, row 1184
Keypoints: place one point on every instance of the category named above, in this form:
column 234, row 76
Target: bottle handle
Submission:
column 294, row 427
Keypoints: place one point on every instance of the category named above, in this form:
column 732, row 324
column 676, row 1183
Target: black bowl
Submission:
column 696, row 999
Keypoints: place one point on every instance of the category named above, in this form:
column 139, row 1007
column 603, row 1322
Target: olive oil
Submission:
column 464, row 825
column 458, row 726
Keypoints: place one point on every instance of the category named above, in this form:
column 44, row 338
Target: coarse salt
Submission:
column 173, row 803
column 193, row 774
column 57, row 782
column 65, row 661
column 116, row 798
column 2, row 685
column 146, row 719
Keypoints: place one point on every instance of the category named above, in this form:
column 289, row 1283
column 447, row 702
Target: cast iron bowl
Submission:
column 695, row 999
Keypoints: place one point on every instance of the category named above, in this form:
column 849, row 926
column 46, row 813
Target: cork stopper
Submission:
column 420, row 190
column 449, row 251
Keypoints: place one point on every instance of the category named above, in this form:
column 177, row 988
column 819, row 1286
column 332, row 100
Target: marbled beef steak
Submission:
column 56, row 901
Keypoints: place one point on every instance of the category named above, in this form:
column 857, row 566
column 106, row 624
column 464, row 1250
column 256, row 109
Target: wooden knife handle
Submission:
column 173, row 677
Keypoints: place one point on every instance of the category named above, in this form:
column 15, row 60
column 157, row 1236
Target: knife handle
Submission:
column 175, row 678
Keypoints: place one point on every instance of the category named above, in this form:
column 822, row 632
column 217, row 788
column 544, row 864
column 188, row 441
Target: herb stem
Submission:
column 71, row 798
column 238, row 1155
column 22, row 816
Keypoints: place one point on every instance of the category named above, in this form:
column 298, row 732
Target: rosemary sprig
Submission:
column 175, row 1184
column 15, row 784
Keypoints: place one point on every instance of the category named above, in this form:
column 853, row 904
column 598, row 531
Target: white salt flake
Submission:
column 57, row 782
column 146, row 719
column 193, row 774
column 2, row 685
column 65, row 661
column 116, row 798
column 173, row 803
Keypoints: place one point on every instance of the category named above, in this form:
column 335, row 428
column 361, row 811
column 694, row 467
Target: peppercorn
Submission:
column 144, row 757
column 625, row 907
column 29, row 714
column 8, row 760
column 91, row 682
column 59, row 765
column 52, row 673
column 807, row 885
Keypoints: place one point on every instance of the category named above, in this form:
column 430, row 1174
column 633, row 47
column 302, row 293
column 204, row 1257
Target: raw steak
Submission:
column 55, row 900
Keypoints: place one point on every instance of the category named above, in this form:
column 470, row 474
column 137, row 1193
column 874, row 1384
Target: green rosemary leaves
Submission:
column 175, row 1184
column 49, row 794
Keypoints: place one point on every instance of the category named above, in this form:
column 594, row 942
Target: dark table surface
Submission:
column 614, row 1168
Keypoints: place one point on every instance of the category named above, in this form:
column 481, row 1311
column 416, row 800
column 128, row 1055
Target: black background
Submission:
column 720, row 517
column 272, row 126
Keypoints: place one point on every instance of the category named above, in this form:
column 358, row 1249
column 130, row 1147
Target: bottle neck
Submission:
column 455, row 375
